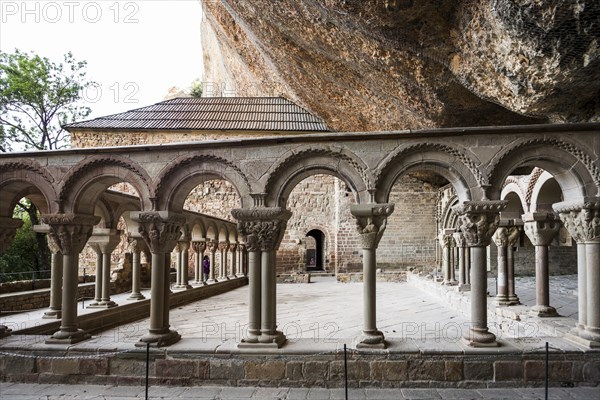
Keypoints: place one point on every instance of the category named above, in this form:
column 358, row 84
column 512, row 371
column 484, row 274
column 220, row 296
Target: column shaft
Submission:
column 99, row 279
column 136, row 272
column 55, row 287
column 479, row 336
column 582, row 285
column 592, row 326
column 254, row 302
column 502, row 290
column 369, row 291
column 513, row 299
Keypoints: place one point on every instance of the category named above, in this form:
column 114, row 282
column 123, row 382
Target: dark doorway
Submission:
column 315, row 255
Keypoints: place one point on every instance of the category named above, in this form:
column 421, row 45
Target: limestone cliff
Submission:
column 394, row 64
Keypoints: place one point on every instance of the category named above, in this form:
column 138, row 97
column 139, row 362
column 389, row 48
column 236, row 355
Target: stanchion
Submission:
column 346, row 371
column 147, row 367
column 547, row 369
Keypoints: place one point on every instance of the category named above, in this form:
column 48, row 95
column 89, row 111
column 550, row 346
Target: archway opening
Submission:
column 315, row 250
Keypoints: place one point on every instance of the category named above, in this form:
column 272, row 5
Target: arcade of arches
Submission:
column 511, row 187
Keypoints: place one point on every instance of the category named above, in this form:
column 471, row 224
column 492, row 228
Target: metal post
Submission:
column 547, row 368
column 147, row 366
column 346, row 370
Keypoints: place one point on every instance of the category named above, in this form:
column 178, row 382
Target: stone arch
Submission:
column 177, row 180
column 517, row 202
column 301, row 163
column 212, row 231
column 449, row 217
column 198, row 230
column 546, row 192
column 87, row 180
column 25, row 178
column 451, row 163
column 575, row 171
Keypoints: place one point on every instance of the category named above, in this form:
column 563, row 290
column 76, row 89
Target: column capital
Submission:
column 8, row 230
column 446, row 240
column 135, row 244
column 159, row 229
column 262, row 228
column 106, row 240
column 223, row 246
column 582, row 219
column 212, row 246
column 478, row 220
column 459, row 239
column 70, row 232
column 233, row 247
column 541, row 228
column 500, row 237
column 199, row 246
column 371, row 221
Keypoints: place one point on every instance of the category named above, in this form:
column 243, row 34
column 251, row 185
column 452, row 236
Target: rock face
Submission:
column 386, row 65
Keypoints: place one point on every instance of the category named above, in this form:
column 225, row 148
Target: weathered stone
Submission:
column 264, row 370
column 315, row 370
column 65, row 366
column 16, row 365
column 357, row 370
column 454, row 370
column 508, row 371
column 128, row 367
column 389, row 370
column 176, row 368
column 591, row 372
column 293, row 370
column 94, row 366
column 478, row 371
column 226, row 369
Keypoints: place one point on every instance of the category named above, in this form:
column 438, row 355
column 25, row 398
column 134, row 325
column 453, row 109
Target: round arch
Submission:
column 298, row 165
column 517, row 203
column 26, row 179
column 460, row 171
column 546, row 192
column 178, row 179
column 571, row 167
column 88, row 180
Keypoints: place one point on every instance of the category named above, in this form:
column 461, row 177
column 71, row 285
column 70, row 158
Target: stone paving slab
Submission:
column 11, row 391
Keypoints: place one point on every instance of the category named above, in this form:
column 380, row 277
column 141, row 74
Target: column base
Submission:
column 104, row 304
column 208, row 282
column 231, row 277
column 574, row 336
column 239, row 275
column 463, row 288
column 371, row 340
column 480, row 338
column 513, row 300
column 591, row 334
column 272, row 340
column 4, row 331
column 93, row 304
column 167, row 338
column 450, row 283
column 543, row 311
column 136, row 296
column 68, row 337
column 502, row 300
column 52, row 314
column 198, row 283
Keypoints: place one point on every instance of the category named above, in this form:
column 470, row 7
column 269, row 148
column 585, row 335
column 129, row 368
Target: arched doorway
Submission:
column 315, row 250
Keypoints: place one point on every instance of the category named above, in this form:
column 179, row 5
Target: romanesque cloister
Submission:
column 69, row 187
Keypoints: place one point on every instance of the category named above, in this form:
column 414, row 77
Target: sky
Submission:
column 135, row 50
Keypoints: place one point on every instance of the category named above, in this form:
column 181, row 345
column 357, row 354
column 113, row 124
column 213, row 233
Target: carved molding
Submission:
column 371, row 221
column 199, row 246
column 262, row 228
column 541, row 228
column 478, row 220
column 70, row 232
column 459, row 239
column 223, row 246
column 582, row 219
column 27, row 165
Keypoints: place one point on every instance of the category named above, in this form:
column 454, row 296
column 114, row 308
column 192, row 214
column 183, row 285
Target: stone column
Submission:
column 500, row 238
column 582, row 220
column 199, row 247
column 56, row 265
column 461, row 244
column 371, row 221
column 135, row 247
column 233, row 260
column 178, row 279
column 8, row 230
column 478, row 220
column 184, row 258
column 212, row 249
column 160, row 230
column 541, row 229
column 104, row 241
column 446, row 241
column 514, row 232
column 223, row 247
column 241, row 270
column 70, row 232
column 263, row 229
column 98, row 281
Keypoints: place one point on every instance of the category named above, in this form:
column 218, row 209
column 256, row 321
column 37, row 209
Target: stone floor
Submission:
column 10, row 391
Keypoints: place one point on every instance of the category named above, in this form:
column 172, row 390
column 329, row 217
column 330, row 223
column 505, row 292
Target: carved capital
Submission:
column 159, row 229
column 223, row 246
column 500, row 237
column 582, row 219
column 199, row 247
column 371, row 221
column 241, row 247
column 134, row 244
column 541, row 228
column 446, row 240
column 262, row 228
column 212, row 246
column 459, row 239
column 233, row 247
column 8, row 230
column 70, row 232
column 514, row 232
column 106, row 240
column 478, row 220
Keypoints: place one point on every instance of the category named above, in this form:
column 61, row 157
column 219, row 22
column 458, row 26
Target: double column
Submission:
column 448, row 245
column 8, row 230
column 371, row 221
column 135, row 247
column 464, row 262
column 199, row 247
column 182, row 263
column 478, row 220
column 582, row 220
column 69, row 232
column 160, row 230
column 103, row 241
column 263, row 229
column 506, row 238
column 223, row 250
column 541, row 229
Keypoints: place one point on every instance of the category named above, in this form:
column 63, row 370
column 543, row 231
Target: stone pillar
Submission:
column 446, row 241
column 223, row 247
column 135, row 247
column 212, row 249
column 541, row 229
column 461, row 244
column 242, row 268
column 160, row 230
column 582, row 220
column 263, row 229
column 70, row 232
column 183, row 264
column 500, row 238
column 103, row 241
column 199, row 247
column 371, row 221
column 514, row 232
column 8, row 230
column 56, row 265
column 478, row 220
column 233, row 260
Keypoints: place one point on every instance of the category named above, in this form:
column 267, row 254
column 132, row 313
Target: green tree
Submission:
column 196, row 89
column 37, row 96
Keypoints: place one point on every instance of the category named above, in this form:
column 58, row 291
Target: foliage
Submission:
column 196, row 88
column 22, row 255
column 37, row 96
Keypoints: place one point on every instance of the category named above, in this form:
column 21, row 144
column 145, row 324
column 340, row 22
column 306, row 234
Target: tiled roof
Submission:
column 212, row 113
